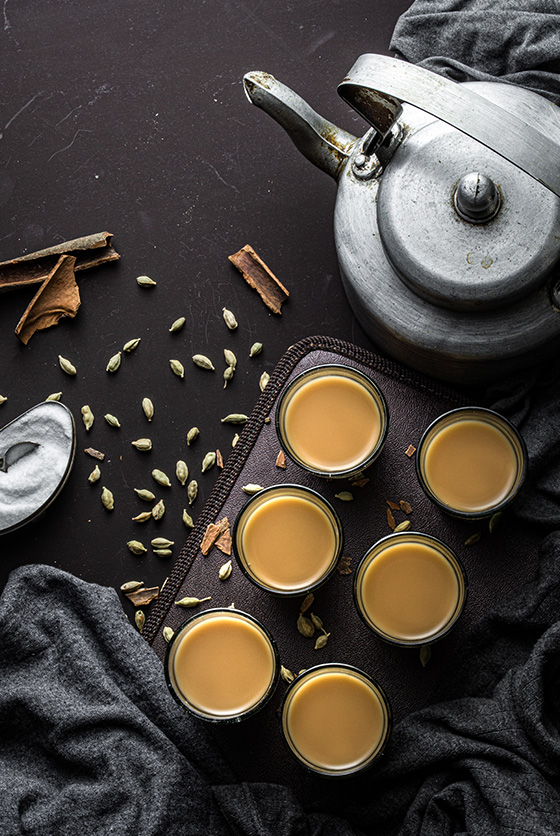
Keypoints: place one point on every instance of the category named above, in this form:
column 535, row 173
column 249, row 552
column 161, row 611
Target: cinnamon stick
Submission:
column 34, row 268
column 58, row 296
column 260, row 277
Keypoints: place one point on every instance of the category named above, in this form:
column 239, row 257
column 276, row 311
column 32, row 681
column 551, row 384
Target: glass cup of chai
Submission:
column 410, row 589
column 222, row 665
column 336, row 719
column 332, row 420
column 287, row 539
column 471, row 462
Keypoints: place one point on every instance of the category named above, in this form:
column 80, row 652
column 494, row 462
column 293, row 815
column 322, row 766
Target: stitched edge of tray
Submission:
column 248, row 436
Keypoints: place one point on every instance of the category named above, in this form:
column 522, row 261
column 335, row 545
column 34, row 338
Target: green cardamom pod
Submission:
column 208, row 461
column 191, row 602
column 252, row 489
column 148, row 408
column 317, row 622
column 346, row 496
column 130, row 586
column 177, row 368
column 321, row 641
column 56, row 396
column 144, row 516
column 203, row 362
column 168, row 634
column 286, row 674
column 131, row 345
column 114, row 363
column 263, row 381
column 230, row 358
column 163, row 552
column 182, row 471
column 256, row 348
column 192, row 435
column 139, row 619
column 177, row 325
column 161, row 478
column 147, row 496
column 225, row 570
column 234, row 418
column 305, row 626
column 235, row 439
column 94, row 475
column 495, row 520
column 143, row 444
column 107, row 499
column 228, row 375
column 192, row 491
column 145, row 281
column 229, row 319
column 162, row 543
column 187, row 519
column 111, row 420
column 87, row 417
column 402, row 526
column 136, row 547
column 158, row 510
column 425, row 654
column 66, row 365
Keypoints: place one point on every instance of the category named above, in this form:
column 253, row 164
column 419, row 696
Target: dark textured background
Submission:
column 131, row 118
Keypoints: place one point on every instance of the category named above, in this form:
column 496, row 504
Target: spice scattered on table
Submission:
column 145, row 281
column 114, row 363
column 259, row 276
column 95, row 454
column 57, row 297
column 66, row 366
column 229, row 319
column 143, row 597
column 343, row 565
column 213, row 532
column 189, row 601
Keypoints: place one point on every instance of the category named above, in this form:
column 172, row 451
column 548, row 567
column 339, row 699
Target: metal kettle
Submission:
column 447, row 217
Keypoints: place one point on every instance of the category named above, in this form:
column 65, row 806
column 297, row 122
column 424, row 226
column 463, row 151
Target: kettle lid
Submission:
column 462, row 226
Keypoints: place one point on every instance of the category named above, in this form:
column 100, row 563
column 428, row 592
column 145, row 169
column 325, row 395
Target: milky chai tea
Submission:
column 222, row 665
column 410, row 588
column 332, row 420
column 287, row 539
column 335, row 719
column 471, row 462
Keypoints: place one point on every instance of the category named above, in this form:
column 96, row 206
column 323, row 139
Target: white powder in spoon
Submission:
column 33, row 479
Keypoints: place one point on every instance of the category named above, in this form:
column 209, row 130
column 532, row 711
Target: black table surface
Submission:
column 132, row 118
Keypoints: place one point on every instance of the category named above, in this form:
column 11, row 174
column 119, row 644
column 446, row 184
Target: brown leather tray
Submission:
column 495, row 565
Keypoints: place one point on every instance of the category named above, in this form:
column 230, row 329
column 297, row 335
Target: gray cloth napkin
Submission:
column 485, row 40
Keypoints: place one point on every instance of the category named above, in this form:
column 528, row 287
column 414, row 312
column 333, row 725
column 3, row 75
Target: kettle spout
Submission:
column 325, row 145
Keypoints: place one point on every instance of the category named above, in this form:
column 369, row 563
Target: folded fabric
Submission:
column 484, row 40
column 91, row 739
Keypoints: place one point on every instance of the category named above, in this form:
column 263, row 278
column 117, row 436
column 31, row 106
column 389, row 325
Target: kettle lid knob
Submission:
column 476, row 199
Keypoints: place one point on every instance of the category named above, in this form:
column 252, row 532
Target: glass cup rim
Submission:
column 443, row 548
column 383, row 698
column 522, row 463
column 254, row 709
column 384, row 410
column 289, row 593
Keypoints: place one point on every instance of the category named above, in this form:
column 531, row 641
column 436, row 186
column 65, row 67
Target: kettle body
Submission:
column 447, row 222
